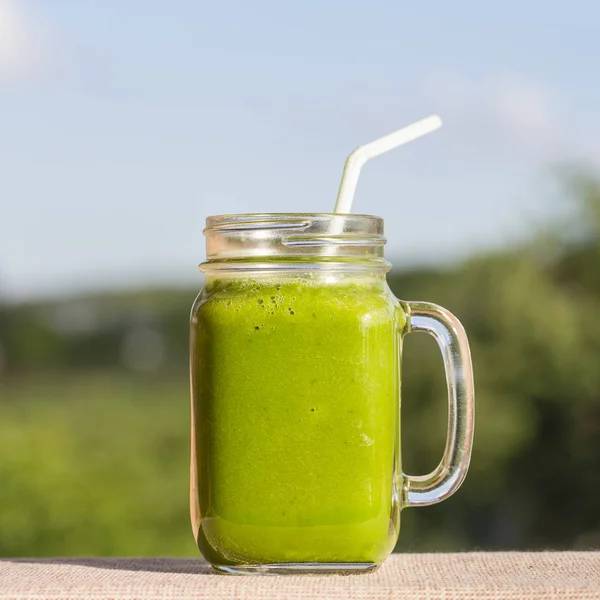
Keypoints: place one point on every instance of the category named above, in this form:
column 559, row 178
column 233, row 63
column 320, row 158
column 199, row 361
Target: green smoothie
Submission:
column 296, row 399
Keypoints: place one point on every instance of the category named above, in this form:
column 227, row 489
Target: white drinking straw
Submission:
column 362, row 154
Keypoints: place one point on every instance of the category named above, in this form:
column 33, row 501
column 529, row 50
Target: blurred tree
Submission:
column 97, row 463
column 530, row 314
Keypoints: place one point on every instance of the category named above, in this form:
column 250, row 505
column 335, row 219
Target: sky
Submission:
column 123, row 125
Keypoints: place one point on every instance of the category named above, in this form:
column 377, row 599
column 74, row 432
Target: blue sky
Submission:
column 123, row 125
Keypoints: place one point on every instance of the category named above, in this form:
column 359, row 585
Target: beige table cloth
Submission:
column 479, row 575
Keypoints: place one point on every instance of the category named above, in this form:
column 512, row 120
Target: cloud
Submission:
column 524, row 107
column 501, row 110
column 516, row 116
column 22, row 44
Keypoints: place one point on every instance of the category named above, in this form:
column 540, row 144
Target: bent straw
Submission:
column 362, row 154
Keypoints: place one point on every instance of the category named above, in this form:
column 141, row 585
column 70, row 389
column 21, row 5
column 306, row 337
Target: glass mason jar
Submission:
column 296, row 343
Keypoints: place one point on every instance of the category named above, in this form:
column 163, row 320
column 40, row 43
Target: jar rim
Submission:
column 276, row 220
column 292, row 214
column 321, row 237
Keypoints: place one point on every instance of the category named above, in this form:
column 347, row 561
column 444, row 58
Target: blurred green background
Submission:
column 94, row 406
column 123, row 125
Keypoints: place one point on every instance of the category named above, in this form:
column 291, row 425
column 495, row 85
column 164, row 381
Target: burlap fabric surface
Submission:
column 511, row 575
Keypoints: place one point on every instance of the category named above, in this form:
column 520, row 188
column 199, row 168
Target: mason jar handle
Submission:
column 452, row 340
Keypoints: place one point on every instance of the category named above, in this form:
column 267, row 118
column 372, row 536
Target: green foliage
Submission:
column 94, row 446
column 94, row 465
column 531, row 315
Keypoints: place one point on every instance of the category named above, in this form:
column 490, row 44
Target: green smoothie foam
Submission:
column 295, row 387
